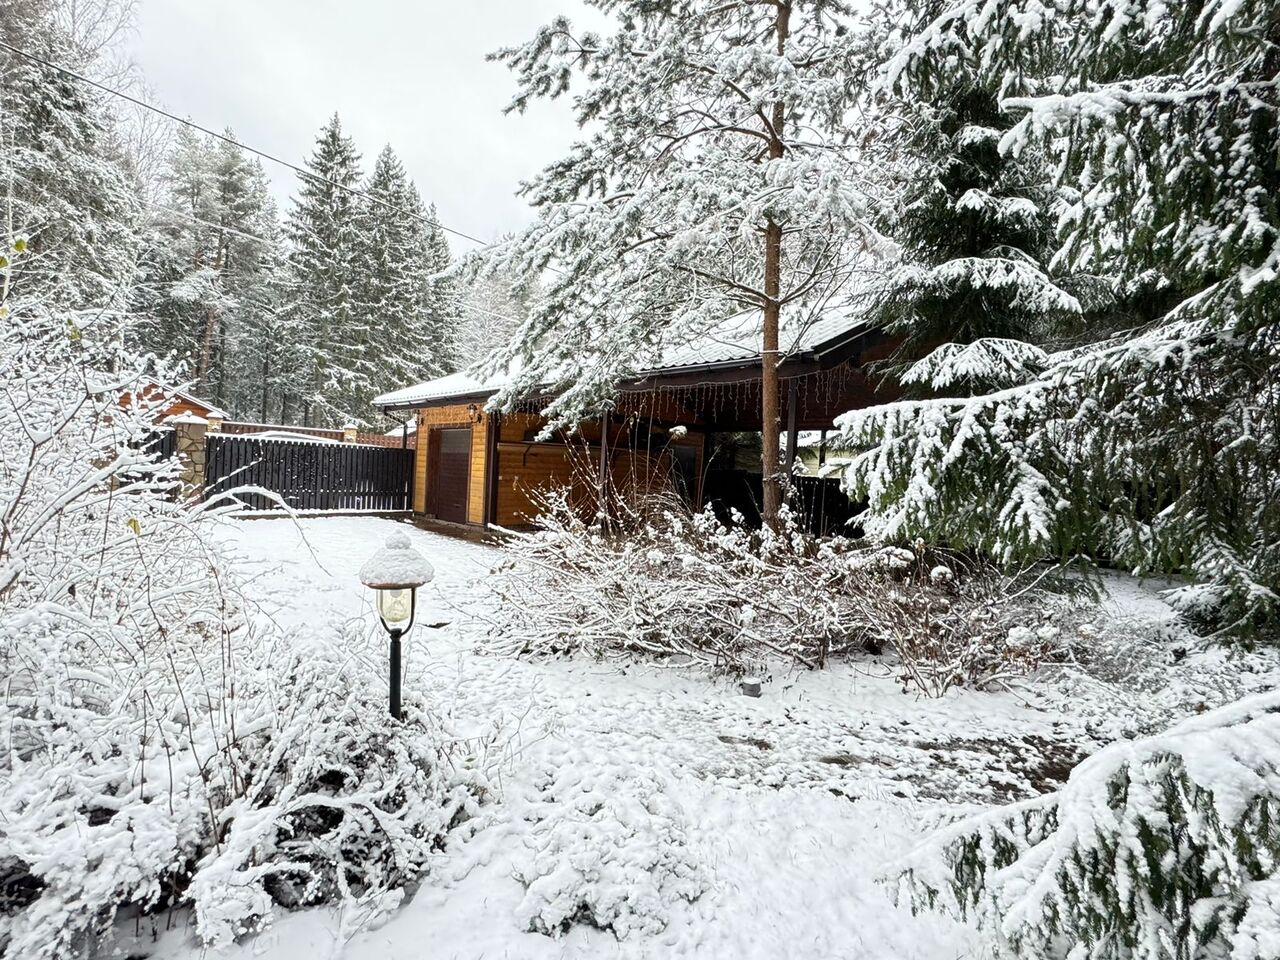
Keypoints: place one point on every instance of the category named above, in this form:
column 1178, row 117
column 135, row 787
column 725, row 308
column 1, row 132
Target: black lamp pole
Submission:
column 396, row 633
column 395, row 673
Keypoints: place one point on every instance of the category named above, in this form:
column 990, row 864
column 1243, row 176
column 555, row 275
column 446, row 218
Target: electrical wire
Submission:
column 301, row 171
column 457, row 301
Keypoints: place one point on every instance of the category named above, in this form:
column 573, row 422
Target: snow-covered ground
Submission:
column 713, row 824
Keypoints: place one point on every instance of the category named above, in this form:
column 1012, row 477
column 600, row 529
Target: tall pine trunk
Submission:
column 771, row 418
column 770, row 414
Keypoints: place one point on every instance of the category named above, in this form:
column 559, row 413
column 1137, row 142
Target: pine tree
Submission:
column 409, row 314
column 717, row 178
column 68, row 184
column 973, row 294
column 322, row 319
column 211, row 270
column 1156, row 448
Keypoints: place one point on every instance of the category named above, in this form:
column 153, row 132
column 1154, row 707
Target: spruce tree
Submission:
column 322, row 319
column 210, row 283
column 409, row 315
column 69, row 187
column 1157, row 447
column 973, row 294
column 444, row 297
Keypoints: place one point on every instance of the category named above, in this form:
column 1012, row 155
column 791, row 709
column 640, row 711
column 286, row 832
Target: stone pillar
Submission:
column 349, row 432
column 189, row 433
column 215, row 422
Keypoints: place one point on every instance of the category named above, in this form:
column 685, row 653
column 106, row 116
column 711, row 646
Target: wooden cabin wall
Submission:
column 455, row 415
column 475, row 493
column 527, row 468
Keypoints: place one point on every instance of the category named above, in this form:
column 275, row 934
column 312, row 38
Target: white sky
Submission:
column 410, row 73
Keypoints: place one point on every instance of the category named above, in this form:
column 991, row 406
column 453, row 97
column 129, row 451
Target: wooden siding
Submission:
column 524, row 470
column 527, row 468
column 451, row 416
column 475, row 498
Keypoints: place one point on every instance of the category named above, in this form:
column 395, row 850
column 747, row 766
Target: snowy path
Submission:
column 778, row 811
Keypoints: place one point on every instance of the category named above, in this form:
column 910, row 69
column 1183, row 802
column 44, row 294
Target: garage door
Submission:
column 452, row 474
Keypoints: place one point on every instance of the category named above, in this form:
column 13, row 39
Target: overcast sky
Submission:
column 411, row 74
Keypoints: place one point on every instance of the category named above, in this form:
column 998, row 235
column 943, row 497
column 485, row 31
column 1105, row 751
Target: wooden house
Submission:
column 168, row 402
column 482, row 468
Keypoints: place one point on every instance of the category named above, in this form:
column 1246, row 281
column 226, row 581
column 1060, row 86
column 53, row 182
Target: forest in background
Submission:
column 297, row 316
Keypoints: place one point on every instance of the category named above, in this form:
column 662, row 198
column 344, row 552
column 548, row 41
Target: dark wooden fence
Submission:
column 163, row 441
column 309, row 476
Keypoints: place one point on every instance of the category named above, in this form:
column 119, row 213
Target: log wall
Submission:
column 527, row 468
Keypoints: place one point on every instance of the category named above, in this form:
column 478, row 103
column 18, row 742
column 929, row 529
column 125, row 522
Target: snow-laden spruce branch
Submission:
column 1154, row 447
column 1164, row 847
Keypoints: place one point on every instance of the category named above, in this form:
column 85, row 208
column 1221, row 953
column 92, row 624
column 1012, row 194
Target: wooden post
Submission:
column 792, row 433
column 491, row 477
column 822, row 448
column 603, row 480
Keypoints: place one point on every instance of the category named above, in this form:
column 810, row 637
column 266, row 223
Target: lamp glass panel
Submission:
column 395, row 606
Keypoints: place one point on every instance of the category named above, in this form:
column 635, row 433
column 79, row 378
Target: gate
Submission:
column 309, row 476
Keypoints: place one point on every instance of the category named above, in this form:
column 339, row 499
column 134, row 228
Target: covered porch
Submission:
column 664, row 433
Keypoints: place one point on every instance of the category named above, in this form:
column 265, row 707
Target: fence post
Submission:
column 189, row 443
column 349, row 431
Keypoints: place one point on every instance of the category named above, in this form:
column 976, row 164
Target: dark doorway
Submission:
column 451, row 474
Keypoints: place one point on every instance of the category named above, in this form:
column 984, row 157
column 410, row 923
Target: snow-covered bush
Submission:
column 660, row 581
column 1165, row 848
column 605, row 853
column 159, row 748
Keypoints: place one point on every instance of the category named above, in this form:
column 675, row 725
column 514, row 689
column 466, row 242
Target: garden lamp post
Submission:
column 395, row 573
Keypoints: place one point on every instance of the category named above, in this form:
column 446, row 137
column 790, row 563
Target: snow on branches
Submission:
column 663, row 582
column 161, row 747
column 708, row 126
column 1164, row 847
column 1154, row 447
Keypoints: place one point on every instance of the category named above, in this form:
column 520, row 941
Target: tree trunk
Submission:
column 206, row 347
column 770, row 417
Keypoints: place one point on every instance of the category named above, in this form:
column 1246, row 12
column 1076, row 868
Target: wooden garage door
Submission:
column 451, row 478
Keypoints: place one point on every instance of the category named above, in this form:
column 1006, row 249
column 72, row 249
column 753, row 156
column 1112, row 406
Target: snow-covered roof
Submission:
column 734, row 341
column 454, row 385
column 737, row 340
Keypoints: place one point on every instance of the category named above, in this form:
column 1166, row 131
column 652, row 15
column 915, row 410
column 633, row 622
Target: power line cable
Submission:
column 301, row 171
column 173, row 211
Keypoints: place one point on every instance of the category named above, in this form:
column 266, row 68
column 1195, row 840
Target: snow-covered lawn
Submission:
column 711, row 824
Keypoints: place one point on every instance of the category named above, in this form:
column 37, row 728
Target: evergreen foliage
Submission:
column 715, row 177
column 1165, row 848
column 210, row 274
column 65, row 180
column 323, row 319
column 492, row 309
column 975, row 225
column 1155, row 448
column 411, row 308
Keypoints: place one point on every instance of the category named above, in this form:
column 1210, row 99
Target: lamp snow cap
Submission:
column 394, row 573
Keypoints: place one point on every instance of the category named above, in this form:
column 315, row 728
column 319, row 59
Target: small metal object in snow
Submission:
column 751, row 687
column 395, row 573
